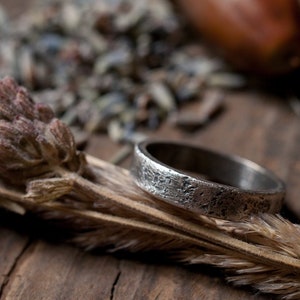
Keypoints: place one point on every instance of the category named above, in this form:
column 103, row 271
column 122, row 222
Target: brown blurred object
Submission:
column 259, row 36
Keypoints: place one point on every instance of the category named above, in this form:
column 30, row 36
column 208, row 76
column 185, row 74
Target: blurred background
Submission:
column 123, row 67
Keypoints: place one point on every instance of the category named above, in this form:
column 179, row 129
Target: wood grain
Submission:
column 12, row 246
column 48, row 271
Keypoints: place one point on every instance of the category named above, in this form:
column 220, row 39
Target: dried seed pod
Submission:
column 211, row 104
column 3, row 19
column 162, row 96
column 260, row 36
column 226, row 80
column 71, row 16
column 26, row 67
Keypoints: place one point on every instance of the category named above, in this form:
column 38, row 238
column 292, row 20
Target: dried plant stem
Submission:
column 99, row 163
column 213, row 236
column 99, row 217
column 10, row 195
column 14, row 207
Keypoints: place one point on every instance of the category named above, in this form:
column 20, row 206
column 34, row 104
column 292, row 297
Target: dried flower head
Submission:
column 32, row 141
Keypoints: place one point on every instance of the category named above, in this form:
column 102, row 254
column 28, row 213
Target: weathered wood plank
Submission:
column 48, row 271
column 148, row 281
column 12, row 245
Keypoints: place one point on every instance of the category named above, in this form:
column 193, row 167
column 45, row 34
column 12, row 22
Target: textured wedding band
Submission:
column 204, row 181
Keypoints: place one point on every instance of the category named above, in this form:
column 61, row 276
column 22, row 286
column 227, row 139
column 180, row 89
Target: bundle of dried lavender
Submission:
column 108, row 64
column 43, row 173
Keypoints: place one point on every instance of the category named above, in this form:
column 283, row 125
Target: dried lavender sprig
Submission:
column 32, row 140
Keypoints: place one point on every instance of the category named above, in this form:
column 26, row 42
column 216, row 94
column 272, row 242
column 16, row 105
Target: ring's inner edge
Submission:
column 213, row 167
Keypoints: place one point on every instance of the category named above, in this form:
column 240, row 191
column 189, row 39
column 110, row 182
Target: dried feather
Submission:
column 272, row 231
column 115, row 233
column 241, row 272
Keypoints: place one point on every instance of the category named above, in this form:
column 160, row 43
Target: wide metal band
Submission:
column 204, row 181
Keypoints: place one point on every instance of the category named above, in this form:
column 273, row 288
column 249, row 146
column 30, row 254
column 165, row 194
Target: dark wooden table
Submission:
column 257, row 126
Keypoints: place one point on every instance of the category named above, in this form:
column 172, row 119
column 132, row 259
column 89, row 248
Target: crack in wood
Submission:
column 112, row 291
column 13, row 268
column 158, row 295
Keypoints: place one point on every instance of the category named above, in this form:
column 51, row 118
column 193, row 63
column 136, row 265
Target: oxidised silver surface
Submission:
column 204, row 181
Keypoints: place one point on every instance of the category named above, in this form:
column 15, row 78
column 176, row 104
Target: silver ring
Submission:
column 204, row 181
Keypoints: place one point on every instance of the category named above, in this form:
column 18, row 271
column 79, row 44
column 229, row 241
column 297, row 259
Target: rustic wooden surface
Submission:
column 257, row 126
